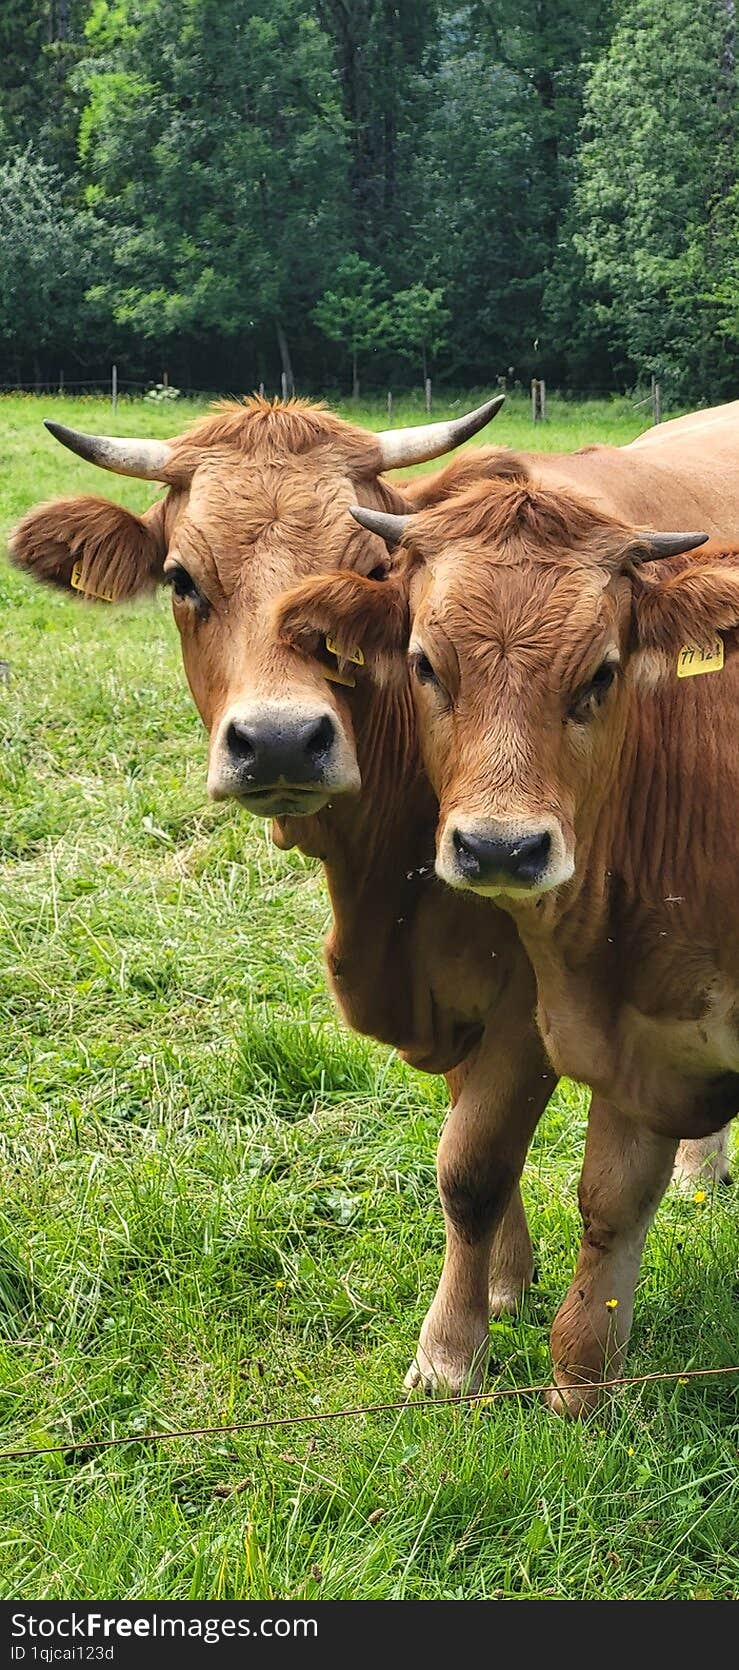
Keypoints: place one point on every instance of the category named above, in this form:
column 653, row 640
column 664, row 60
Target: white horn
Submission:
column 146, row 459
column 388, row 527
column 401, row 447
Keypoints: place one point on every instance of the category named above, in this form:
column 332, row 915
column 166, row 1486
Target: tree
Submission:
column 214, row 145
column 647, row 223
column 419, row 322
column 40, row 43
column 722, row 235
column 354, row 312
column 490, row 192
column 48, row 251
column 548, row 185
column 383, row 50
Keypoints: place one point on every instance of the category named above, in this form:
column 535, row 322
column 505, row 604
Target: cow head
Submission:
column 257, row 501
column 532, row 623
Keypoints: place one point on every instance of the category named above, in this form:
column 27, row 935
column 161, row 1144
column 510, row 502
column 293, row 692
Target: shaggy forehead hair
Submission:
column 516, row 522
column 266, row 484
column 261, row 428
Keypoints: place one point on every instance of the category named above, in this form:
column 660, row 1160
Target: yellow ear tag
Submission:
column 355, row 655
column 692, row 660
column 75, row 580
column 332, row 673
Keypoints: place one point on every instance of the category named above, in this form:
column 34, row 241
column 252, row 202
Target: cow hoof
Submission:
column 573, row 1401
column 445, row 1375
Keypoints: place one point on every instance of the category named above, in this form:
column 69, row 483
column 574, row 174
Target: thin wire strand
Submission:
column 494, row 1396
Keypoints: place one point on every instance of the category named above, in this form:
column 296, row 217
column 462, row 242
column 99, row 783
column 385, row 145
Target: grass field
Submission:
column 217, row 1204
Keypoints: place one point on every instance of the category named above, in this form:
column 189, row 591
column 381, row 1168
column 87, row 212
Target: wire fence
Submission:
column 681, row 1377
column 98, row 385
column 539, row 392
column 91, row 385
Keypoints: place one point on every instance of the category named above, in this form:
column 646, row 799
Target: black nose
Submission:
column 484, row 858
column 270, row 751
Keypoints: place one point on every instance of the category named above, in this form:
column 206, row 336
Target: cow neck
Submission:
column 658, row 828
column 369, row 842
column 674, row 822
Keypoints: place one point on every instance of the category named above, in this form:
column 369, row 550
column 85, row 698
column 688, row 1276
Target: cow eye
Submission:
column 423, row 669
column 182, row 584
column 590, row 695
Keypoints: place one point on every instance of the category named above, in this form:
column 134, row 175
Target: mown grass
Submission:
column 217, row 1204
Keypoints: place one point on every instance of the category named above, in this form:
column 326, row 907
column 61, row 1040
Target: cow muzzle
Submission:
column 503, row 856
column 280, row 760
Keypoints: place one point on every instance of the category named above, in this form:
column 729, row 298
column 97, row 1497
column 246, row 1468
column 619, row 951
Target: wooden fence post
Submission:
column 165, row 379
column 656, row 401
column 427, row 392
column 61, row 382
column 389, row 407
column 538, row 400
column 283, row 384
column 114, row 388
column 261, row 391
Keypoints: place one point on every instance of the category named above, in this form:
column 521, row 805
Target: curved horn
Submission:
column 390, row 528
column 658, row 545
column 146, row 459
column 400, row 447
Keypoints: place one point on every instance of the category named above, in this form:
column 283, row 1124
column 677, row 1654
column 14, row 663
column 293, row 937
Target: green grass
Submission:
column 218, row 1204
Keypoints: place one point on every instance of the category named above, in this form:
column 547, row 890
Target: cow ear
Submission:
column 92, row 547
column 350, row 624
column 689, row 607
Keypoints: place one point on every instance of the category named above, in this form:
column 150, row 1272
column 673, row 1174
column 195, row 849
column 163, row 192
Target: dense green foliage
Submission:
column 655, row 222
column 217, row 1204
column 371, row 189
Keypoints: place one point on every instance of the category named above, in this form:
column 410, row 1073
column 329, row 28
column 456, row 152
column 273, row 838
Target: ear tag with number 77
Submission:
column 693, row 660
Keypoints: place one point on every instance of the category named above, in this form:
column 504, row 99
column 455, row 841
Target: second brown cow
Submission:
column 576, row 703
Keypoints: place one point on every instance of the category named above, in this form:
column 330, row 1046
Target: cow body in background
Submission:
column 681, row 474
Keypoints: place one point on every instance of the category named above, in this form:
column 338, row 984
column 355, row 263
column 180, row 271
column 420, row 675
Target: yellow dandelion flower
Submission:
column 279, row 1284
column 699, row 1196
column 611, row 1304
column 682, row 1380
column 630, row 1452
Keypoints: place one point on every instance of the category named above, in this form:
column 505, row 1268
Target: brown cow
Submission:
column 588, row 781
column 257, row 499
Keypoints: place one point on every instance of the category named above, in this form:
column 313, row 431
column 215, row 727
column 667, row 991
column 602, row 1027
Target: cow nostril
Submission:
column 267, row 748
column 467, row 858
column 533, row 855
column 522, row 857
column 241, row 744
column 321, row 737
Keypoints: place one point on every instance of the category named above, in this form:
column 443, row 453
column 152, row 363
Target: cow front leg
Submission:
column 625, row 1173
column 481, row 1155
